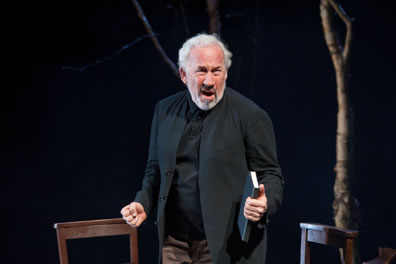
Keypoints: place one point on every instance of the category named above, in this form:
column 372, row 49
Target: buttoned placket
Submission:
column 197, row 122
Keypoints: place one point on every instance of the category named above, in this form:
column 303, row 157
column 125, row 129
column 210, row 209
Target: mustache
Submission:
column 207, row 87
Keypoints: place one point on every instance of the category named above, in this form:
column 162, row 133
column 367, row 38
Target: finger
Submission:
column 125, row 211
column 132, row 209
column 256, row 203
column 137, row 221
column 256, row 206
column 251, row 217
column 122, row 210
column 257, row 210
column 253, row 213
column 129, row 219
column 262, row 190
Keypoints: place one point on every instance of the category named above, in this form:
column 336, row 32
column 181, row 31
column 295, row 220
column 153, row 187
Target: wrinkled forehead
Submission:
column 206, row 55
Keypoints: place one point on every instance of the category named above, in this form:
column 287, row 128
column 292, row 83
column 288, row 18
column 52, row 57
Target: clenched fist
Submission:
column 134, row 214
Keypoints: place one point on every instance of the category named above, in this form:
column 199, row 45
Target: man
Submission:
column 202, row 144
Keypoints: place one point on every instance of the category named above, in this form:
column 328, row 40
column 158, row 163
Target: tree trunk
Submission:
column 346, row 211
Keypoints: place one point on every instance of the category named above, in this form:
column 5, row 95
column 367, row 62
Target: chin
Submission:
column 207, row 105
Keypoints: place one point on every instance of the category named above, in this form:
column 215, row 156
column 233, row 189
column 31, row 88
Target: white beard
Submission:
column 207, row 104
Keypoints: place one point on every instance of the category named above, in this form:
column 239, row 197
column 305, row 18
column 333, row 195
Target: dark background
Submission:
column 75, row 143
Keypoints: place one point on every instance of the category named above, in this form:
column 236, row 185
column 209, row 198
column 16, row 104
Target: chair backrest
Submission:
column 95, row 228
column 327, row 235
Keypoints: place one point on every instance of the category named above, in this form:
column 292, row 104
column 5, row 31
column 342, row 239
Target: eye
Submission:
column 216, row 71
column 200, row 73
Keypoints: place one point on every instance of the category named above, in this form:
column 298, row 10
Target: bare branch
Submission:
column 330, row 35
column 157, row 45
column 341, row 12
column 104, row 59
column 214, row 21
column 348, row 41
column 348, row 23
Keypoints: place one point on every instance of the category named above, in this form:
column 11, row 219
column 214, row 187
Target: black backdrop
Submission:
column 76, row 142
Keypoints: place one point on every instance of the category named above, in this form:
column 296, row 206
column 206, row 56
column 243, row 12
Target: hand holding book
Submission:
column 255, row 208
column 253, row 205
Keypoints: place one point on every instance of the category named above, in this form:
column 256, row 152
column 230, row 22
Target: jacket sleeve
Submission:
column 260, row 147
column 151, row 181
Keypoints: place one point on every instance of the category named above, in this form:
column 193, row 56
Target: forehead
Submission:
column 206, row 55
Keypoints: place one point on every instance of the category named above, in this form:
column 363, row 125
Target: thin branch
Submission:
column 348, row 24
column 348, row 41
column 214, row 21
column 329, row 34
column 106, row 58
column 157, row 45
column 341, row 12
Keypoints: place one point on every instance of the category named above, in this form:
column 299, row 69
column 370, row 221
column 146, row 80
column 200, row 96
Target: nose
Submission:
column 209, row 79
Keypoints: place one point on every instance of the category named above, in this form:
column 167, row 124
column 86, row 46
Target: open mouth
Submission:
column 208, row 94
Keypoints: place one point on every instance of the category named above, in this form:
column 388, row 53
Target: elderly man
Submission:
column 202, row 144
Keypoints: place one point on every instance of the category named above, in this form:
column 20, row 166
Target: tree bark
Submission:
column 345, row 208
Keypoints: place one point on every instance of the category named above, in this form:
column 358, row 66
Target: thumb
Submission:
column 262, row 190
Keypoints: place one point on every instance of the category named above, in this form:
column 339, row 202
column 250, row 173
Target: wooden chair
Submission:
column 327, row 235
column 95, row 228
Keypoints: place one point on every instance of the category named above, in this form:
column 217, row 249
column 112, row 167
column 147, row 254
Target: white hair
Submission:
column 199, row 41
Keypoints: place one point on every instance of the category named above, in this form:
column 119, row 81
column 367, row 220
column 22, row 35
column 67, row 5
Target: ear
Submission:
column 183, row 75
column 226, row 74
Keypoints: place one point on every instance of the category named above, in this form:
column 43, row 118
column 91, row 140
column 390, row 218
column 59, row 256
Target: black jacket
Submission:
column 237, row 136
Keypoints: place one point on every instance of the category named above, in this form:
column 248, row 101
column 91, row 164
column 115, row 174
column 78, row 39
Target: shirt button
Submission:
column 169, row 172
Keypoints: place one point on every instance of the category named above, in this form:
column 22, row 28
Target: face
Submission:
column 205, row 75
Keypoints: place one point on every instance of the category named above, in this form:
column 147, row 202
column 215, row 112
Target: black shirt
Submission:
column 184, row 215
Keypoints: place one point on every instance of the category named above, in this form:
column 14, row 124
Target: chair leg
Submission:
column 133, row 240
column 62, row 247
column 348, row 251
column 304, row 250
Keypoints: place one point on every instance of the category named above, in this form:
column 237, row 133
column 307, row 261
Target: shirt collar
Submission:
column 192, row 107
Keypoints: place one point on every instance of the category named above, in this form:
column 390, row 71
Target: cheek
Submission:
column 220, row 82
column 197, row 81
column 194, row 86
